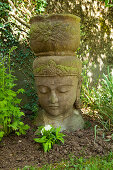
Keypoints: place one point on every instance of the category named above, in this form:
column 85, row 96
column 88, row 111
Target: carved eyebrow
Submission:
column 65, row 85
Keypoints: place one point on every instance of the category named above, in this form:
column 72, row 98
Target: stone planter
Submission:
column 55, row 34
column 57, row 71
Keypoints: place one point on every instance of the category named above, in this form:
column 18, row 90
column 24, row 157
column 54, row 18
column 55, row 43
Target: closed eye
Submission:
column 43, row 89
column 63, row 89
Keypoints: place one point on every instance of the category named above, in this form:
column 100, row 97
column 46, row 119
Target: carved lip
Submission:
column 53, row 106
column 64, row 17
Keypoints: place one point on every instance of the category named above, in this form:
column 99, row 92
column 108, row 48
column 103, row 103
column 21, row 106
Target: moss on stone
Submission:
column 51, row 68
column 48, row 30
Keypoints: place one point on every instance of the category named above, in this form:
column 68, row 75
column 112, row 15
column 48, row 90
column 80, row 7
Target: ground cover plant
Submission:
column 93, row 163
column 10, row 113
column 48, row 136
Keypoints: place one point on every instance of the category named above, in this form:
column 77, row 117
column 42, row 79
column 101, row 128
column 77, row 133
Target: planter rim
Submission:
column 41, row 18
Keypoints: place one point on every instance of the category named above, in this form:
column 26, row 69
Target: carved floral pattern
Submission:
column 53, row 69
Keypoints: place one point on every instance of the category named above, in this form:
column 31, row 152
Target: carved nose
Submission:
column 53, row 98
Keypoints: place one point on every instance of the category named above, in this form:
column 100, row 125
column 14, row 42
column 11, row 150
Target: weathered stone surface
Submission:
column 55, row 34
column 58, row 82
column 58, row 76
column 72, row 122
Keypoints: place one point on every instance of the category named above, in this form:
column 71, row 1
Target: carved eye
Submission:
column 63, row 89
column 43, row 89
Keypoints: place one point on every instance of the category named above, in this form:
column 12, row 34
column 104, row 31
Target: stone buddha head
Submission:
column 58, row 81
column 57, row 71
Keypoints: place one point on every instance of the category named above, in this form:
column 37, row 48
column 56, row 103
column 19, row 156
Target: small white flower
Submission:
column 46, row 128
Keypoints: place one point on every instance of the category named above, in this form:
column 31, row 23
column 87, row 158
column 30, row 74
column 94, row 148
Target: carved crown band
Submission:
column 53, row 69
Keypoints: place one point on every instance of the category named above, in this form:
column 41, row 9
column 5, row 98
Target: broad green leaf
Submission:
column 49, row 144
column 41, row 140
column 45, row 146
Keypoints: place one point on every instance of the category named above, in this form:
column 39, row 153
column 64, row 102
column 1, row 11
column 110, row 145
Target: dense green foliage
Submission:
column 14, row 31
column 100, row 98
column 10, row 114
column 49, row 137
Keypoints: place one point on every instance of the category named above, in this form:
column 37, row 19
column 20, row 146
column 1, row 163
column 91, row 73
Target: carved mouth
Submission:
column 53, row 106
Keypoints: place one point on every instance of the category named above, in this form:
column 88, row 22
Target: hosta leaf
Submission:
column 45, row 146
column 41, row 140
column 49, row 144
column 61, row 139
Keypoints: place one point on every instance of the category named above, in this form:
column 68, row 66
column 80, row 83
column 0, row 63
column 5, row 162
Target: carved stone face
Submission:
column 57, row 94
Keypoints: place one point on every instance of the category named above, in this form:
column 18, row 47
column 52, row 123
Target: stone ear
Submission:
column 77, row 102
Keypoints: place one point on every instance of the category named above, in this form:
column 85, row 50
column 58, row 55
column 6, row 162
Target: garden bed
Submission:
column 19, row 151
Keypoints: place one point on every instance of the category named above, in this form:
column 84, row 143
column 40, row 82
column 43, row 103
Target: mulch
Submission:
column 19, row 151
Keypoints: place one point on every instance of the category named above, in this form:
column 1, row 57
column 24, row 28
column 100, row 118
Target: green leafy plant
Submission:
column 100, row 99
column 13, row 32
column 87, row 91
column 79, row 163
column 105, row 100
column 97, row 129
column 49, row 136
column 10, row 114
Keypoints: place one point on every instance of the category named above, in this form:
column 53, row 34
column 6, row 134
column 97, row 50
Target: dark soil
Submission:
column 19, row 151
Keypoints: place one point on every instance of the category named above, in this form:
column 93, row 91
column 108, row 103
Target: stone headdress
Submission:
column 57, row 66
column 54, row 39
